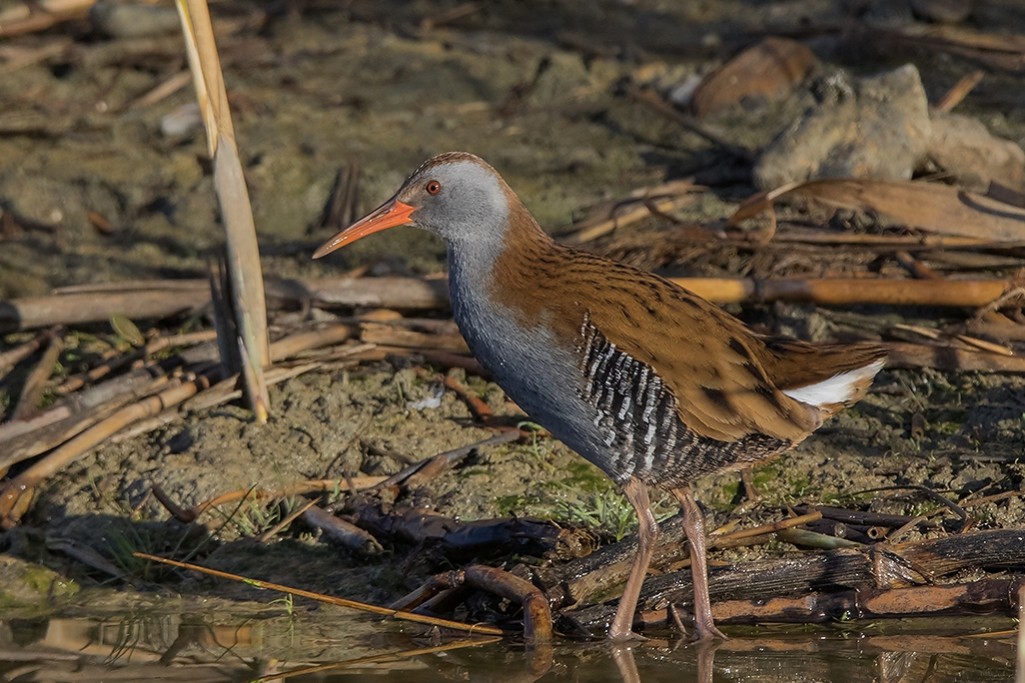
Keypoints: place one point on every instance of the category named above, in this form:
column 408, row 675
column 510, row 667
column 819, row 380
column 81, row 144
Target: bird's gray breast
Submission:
column 535, row 369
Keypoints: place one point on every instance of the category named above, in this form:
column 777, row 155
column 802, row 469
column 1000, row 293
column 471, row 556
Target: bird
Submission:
column 646, row 380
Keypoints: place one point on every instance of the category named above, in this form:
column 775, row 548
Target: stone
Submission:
column 964, row 148
column 876, row 127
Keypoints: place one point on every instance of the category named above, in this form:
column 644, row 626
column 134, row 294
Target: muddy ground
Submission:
column 536, row 89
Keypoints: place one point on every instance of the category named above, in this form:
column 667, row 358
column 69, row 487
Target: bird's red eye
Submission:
column 433, row 187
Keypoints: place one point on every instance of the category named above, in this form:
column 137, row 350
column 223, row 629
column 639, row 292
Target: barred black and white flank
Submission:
column 638, row 418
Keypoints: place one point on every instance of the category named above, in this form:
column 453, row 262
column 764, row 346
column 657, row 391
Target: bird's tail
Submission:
column 827, row 376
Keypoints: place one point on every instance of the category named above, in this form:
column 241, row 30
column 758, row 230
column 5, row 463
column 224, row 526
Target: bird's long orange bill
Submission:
column 389, row 215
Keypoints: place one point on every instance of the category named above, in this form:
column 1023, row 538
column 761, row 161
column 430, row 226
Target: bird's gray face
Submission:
column 456, row 196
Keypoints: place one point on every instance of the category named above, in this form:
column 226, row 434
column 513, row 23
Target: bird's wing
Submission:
column 710, row 361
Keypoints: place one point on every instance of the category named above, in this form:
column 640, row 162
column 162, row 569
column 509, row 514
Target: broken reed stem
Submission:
column 54, row 427
column 630, row 216
column 765, row 528
column 245, row 274
column 153, row 346
column 847, row 291
column 960, row 90
column 345, row 533
column 332, row 600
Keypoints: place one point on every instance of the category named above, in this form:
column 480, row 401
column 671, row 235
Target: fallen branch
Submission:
column 882, row 566
column 516, row 535
column 986, row 596
column 537, row 615
column 346, row 533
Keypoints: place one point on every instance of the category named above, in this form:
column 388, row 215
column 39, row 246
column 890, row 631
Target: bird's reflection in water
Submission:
column 704, row 658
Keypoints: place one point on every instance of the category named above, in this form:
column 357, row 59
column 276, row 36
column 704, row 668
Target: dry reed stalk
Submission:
column 949, row 340
column 815, row 236
column 87, row 307
column 134, row 384
column 385, row 334
column 156, row 345
column 386, row 292
column 770, row 527
column 245, row 274
column 331, row 600
column 630, row 216
column 282, row 349
column 165, row 89
column 227, row 389
column 996, row 325
column 294, row 344
column 959, row 90
column 848, row 291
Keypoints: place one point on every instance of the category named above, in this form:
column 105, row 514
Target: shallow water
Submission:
column 325, row 645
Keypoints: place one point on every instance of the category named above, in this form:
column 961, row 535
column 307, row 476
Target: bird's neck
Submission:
column 480, row 265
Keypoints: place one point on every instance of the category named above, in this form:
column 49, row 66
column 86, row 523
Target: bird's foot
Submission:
column 625, row 637
column 703, row 632
column 706, row 632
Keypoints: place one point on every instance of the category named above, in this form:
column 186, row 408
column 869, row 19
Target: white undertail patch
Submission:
column 838, row 389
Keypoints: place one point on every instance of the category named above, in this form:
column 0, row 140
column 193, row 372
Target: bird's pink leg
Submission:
column 647, row 534
column 694, row 525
